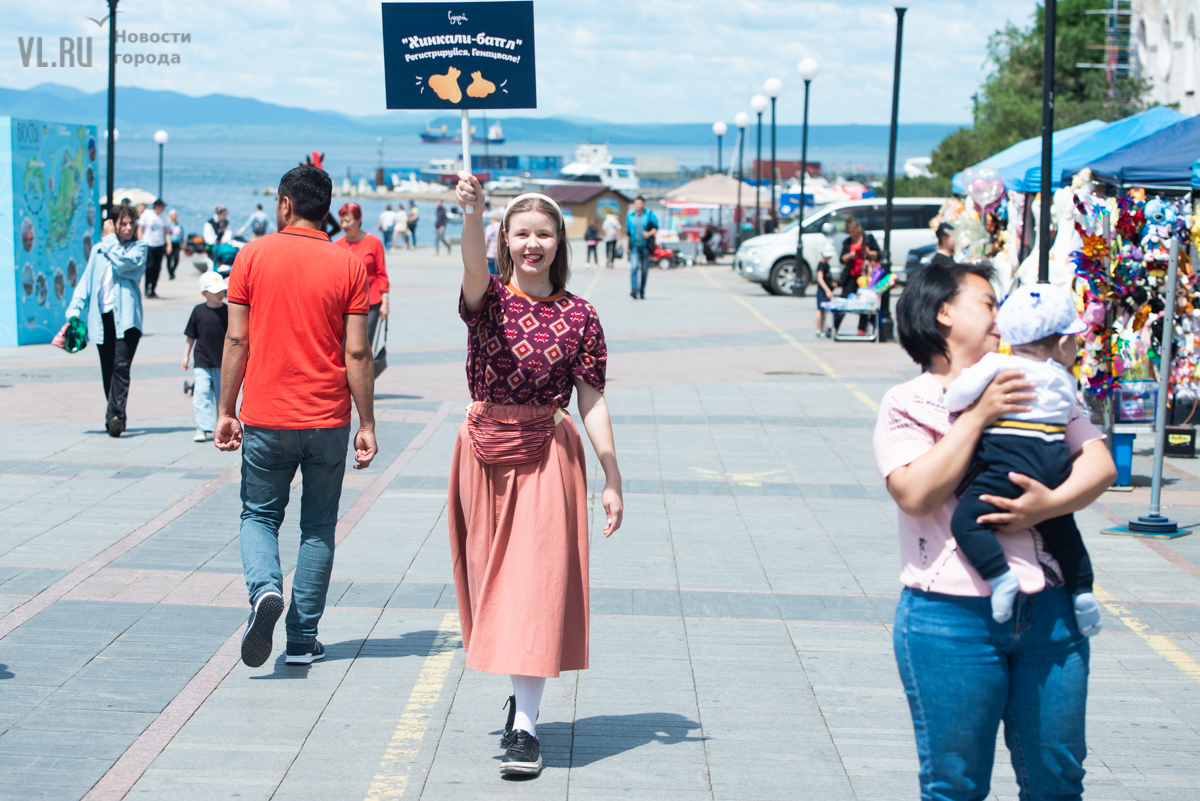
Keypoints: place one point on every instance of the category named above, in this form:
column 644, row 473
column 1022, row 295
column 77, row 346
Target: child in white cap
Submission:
column 206, row 332
column 1040, row 323
column 824, row 285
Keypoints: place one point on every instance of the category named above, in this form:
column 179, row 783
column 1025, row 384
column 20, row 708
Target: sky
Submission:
column 616, row 60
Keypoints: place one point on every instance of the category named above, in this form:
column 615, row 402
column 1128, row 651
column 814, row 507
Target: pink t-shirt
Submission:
column 912, row 418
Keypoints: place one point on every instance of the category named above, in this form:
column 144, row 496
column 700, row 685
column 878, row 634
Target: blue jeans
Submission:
column 269, row 461
column 639, row 263
column 205, row 395
column 387, row 238
column 963, row 673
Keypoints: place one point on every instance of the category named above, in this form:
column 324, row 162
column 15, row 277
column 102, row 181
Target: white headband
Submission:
column 508, row 209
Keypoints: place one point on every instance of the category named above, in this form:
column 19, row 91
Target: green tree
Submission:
column 1008, row 107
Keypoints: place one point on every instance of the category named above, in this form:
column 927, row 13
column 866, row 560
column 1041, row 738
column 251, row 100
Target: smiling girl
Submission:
column 518, row 508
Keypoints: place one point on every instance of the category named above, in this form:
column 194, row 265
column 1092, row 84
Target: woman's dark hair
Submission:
column 922, row 299
column 851, row 220
column 562, row 253
column 120, row 213
column 310, row 191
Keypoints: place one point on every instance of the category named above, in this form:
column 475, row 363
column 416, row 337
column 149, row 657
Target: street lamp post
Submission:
column 1051, row 11
column 719, row 128
column 808, row 69
column 741, row 120
column 758, row 104
column 112, row 101
column 886, row 257
column 160, row 137
column 773, row 86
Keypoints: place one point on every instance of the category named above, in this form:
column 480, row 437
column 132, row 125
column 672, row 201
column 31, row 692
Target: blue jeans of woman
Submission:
column 269, row 461
column 963, row 673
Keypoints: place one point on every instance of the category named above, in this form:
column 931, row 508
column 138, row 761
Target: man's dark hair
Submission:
column 639, row 197
column 260, row 207
column 922, row 299
column 310, row 191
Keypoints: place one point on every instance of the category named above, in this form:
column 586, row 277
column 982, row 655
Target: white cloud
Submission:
column 621, row 60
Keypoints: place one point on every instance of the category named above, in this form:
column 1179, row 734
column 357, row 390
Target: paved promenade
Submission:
column 741, row 643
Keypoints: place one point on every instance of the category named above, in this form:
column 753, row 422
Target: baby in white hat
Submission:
column 1040, row 323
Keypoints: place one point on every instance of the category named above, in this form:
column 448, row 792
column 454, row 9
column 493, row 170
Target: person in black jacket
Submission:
column 860, row 252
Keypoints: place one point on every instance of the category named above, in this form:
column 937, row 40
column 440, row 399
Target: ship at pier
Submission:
column 447, row 135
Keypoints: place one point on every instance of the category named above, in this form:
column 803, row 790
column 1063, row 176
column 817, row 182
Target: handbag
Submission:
column 381, row 354
column 72, row 337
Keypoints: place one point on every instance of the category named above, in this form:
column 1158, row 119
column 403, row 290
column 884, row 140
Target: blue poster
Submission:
column 459, row 55
column 51, row 208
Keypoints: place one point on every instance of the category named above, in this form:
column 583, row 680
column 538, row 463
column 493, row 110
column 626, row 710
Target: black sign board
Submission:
column 459, row 55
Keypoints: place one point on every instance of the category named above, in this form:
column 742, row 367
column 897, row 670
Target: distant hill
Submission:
column 143, row 111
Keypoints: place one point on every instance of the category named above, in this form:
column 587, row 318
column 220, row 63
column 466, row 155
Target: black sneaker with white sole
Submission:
column 304, row 653
column 523, row 757
column 506, row 737
column 256, row 641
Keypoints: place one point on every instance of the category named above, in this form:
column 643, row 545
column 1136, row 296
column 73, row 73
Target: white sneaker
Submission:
column 201, row 435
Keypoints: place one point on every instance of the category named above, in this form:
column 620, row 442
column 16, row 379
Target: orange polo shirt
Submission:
column 299, row 286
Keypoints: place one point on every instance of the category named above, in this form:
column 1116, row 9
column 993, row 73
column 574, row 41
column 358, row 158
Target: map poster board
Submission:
column 49, row 221
column 459, row 55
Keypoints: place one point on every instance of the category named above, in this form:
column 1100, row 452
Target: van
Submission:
column 770, row 259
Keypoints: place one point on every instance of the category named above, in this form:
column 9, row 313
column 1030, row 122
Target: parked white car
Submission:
column 770, row 259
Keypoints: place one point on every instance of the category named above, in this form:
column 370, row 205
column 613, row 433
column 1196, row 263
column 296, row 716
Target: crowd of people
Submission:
column 987, row 457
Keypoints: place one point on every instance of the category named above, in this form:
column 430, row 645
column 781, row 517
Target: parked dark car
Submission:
column 917, row 258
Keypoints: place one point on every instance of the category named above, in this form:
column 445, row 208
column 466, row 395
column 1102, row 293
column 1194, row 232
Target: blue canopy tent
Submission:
column 1097, row 145
column 1021, row 151
column 1196, row 174
column 1164, row 159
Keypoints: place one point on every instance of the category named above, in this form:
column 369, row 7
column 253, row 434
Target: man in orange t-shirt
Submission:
column 297, row 337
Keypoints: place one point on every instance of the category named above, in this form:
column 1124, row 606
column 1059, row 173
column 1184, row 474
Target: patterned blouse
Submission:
column 522, row 349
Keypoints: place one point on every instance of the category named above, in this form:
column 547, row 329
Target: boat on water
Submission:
column 446, row 135
column 593, row 164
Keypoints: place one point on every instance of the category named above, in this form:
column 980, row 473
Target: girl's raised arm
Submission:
column 474, row 252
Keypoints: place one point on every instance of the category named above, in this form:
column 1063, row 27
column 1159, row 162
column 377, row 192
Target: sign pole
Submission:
column 466, row 137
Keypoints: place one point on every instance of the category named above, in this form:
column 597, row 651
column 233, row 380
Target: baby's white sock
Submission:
column 1004, row 594
column 1087, row 614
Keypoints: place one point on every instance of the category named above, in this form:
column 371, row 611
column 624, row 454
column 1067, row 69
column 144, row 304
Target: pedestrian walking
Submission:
column 298, row 339
column 518, row 513
column 152, row 229
column 491, row 236
column 205, row 338
column 414, row 214
column 108, row 299
column 612, row 232
column 441, row 220
column 175, row 237
column 386, row 226
column 963, row 672
column 216, row 229
column 259, row 224
column 640, row 226
column 372, row 253
column 591, row 237
column 824, row 286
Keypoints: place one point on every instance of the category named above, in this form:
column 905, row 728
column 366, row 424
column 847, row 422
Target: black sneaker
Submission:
column 304, row 653
column 256, row 640
column 524, row 755
column 507, row 736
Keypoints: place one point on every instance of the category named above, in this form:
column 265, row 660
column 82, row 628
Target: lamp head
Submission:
column 809, row 69
column 741, row 119
column 759, row 103
column 160, row 137
column 772, row 87
column 719, row 128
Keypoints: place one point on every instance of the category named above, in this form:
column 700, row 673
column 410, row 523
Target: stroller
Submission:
column 220, row 257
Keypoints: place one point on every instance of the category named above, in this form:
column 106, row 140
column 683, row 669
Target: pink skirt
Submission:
column 519, row 544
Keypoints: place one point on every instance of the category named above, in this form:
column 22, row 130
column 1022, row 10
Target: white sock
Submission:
column 528, row 692
column 1004, row 594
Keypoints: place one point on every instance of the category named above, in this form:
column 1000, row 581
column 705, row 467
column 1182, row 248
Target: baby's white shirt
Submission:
column 1055, row 387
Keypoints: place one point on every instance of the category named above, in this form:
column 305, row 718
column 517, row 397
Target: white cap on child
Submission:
column 213, row 282
column 1036, row 311
column 828, row 252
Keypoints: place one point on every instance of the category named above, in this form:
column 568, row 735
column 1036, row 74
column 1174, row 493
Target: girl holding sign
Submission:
column 518, row 507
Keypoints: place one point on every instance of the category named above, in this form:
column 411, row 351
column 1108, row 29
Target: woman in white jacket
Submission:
column 109, row 299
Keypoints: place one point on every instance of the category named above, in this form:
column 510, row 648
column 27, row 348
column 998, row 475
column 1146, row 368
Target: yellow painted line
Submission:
column 596, row 280
column 795, row 343
column 1164, row 646
column 392, row 779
